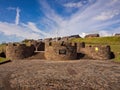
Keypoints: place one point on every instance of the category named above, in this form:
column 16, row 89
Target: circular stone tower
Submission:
column 60, row 51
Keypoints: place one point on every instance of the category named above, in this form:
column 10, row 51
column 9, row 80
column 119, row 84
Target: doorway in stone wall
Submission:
column 2, row 54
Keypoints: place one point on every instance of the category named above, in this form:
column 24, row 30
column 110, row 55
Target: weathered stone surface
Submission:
column 60, row 75
column 60, row 51
column 101, row 52
column 20, row 51
column 39, row 46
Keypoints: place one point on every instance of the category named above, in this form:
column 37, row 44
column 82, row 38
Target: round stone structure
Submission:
column 60, row 51
column 19, row 51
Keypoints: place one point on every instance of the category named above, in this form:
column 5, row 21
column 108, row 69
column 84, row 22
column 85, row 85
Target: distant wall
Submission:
column 117, row 34
column 60, row 51
column 92, row 35
column 20, row 51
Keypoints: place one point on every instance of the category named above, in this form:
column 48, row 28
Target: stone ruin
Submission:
column 19, row 51
column 60, row 51
column 39, row 45
column 100, row 52
column 117, row 34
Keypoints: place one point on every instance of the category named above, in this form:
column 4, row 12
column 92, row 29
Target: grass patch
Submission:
column 100, row 40
column 3, row 59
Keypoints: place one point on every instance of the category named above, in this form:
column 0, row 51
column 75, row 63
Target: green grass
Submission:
column 114, row 43
column 100, row 40
column 116, row 50
column 3, row 59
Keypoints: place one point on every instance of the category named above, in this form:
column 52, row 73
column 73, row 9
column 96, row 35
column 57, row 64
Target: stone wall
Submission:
column 101, row 52
column 60, row 51
column 92, row 35
column 47, row 39
column 39, row 45
column 20, row 51
column 117, row 34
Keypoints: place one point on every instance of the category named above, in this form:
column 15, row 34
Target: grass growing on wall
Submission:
column 114, row 42
column 2, row 48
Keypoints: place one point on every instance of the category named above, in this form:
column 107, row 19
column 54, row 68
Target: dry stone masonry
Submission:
column 19, row 51
column 101, row 52
column 60, row 51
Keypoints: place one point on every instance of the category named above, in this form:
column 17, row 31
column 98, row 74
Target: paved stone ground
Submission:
column 60, row 75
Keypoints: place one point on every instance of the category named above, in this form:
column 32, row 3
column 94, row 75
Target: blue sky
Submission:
column 35, row 19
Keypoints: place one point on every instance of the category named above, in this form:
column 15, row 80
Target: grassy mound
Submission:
column 114, row 42
column 100, row 40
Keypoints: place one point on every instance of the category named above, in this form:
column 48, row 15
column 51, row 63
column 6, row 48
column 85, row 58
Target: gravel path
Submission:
column 60, row 75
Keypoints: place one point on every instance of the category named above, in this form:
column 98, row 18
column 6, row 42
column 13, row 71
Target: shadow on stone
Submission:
column 112, row 55
column 80, row 55
column 2, row 54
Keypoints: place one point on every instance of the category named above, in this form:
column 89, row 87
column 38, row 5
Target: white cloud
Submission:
column 17, row 16
column 24, row 31
column 11, row 8
column 73, row 5
column 105, row 33
column 19, row 31
column 107, row 15
column 82, row 21
column 34, row 28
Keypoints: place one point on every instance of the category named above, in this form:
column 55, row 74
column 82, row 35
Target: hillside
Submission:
column 114, row 42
